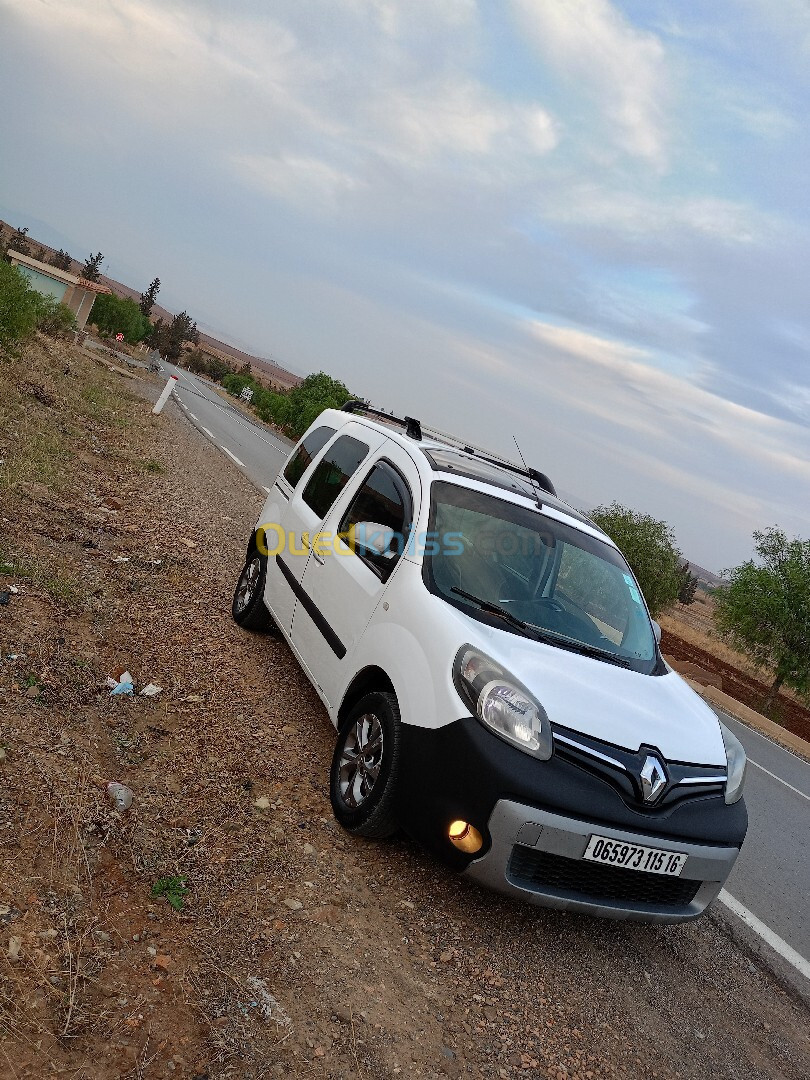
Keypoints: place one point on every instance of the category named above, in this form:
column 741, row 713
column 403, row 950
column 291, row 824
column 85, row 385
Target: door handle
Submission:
column 318, row 558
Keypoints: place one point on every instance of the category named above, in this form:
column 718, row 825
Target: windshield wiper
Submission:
column 581, row 647
column 539, row 633
column 495, row 609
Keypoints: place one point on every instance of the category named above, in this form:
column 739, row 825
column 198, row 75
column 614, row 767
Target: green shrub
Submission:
column 19, row 306
column 119, row 315
column 54, row 318
column 235, row 384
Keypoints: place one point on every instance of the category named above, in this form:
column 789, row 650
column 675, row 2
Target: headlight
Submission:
column 736, row 763
column 501, row 703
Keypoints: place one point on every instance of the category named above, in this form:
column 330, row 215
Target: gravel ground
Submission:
column 298, row 950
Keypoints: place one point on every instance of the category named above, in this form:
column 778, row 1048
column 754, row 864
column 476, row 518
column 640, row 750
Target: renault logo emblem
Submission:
column 653, row 778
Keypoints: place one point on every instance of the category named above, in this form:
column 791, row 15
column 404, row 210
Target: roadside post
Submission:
column 164, row 394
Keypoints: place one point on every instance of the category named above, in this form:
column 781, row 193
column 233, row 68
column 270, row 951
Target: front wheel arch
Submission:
column 369, row 680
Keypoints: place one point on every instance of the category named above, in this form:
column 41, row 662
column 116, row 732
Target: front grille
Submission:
column 579, row 879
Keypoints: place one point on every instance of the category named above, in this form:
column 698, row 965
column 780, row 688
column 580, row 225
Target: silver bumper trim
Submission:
column 513, row 823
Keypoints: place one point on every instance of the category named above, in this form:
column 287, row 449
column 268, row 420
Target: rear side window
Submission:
column 300, row 461
column 332, row 473
column 379, row 518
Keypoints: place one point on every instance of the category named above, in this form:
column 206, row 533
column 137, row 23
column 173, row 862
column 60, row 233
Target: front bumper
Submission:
column 536, row 818
column 536, row 856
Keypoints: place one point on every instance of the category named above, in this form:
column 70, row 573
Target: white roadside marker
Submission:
column 266, row 489
column 210, row 434
column 787, row 952
column 164, row 395
column 193, row 417
column 241, row 464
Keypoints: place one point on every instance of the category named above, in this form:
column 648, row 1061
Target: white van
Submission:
column 493, row 674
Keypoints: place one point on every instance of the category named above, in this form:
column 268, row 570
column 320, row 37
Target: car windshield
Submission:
column 574, row 589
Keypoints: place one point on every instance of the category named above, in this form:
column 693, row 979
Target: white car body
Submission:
column 347, row 627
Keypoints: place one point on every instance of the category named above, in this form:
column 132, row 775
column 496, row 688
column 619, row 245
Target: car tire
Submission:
column 248, row 608
column 365, row 767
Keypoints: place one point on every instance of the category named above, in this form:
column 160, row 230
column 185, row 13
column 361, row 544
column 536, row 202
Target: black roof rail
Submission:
column 534, row 475
column 413, row 429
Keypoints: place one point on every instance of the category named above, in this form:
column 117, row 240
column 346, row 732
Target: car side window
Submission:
column 340, row 462
column 377, row 523
column 309, row 448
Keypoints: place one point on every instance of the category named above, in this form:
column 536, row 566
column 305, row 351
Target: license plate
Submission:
column 650, row 860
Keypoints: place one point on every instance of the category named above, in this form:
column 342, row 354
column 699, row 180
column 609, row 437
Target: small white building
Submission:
column 74, row 292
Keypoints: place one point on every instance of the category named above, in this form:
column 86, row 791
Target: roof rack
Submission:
column 537, row 477
column 415, row 430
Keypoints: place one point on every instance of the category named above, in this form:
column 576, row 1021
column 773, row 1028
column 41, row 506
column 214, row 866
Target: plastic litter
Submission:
column 120, row 794
column 151, row 690
column 125, row 685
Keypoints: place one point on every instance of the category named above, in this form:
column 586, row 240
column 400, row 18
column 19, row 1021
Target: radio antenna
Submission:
column 534, row 483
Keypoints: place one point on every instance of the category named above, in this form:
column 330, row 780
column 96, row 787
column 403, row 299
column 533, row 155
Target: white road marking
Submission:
column 237, row 419
column 210, row 434
column 183, row 405
column 191, row 414
column 796, row 960
column 267, row 489
column 241, row 464
column 779, row 778
column 766, row 738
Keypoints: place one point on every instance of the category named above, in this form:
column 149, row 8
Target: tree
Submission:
column 765, row 610
column 305, row 402
column 649, row 547
column 119, row 315
column 91, row 271
column 19, row 241
column 61, row 260
column 687, row 584
column 169, row 338
column 148, row 298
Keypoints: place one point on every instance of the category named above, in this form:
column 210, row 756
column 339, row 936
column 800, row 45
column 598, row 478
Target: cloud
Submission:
column 636, row 215
column 459, row 116
column 619, row 67
column 659, row 404
column 312, row 184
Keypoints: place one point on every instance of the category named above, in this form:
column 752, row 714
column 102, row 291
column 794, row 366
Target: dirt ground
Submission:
column 294, row 949
column 687, row 634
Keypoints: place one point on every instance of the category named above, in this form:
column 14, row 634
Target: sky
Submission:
column 580, row 223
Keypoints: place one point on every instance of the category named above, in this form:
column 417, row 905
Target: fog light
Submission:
column 465, row 836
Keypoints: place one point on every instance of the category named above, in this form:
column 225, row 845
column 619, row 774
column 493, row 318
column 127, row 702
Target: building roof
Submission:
column 55, row 273
column 93, row 286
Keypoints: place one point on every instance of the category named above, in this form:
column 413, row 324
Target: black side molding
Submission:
column 332, row 640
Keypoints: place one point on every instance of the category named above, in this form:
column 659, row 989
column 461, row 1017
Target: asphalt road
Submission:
column 770, row 884
column 251, row 447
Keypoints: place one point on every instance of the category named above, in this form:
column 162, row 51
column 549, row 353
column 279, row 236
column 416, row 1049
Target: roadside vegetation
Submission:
column 765, row 611
column 649, row 547
column 23, row 311
column 762, row 609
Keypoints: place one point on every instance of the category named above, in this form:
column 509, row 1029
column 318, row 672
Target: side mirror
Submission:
column 657, row 632
column 374, row 538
